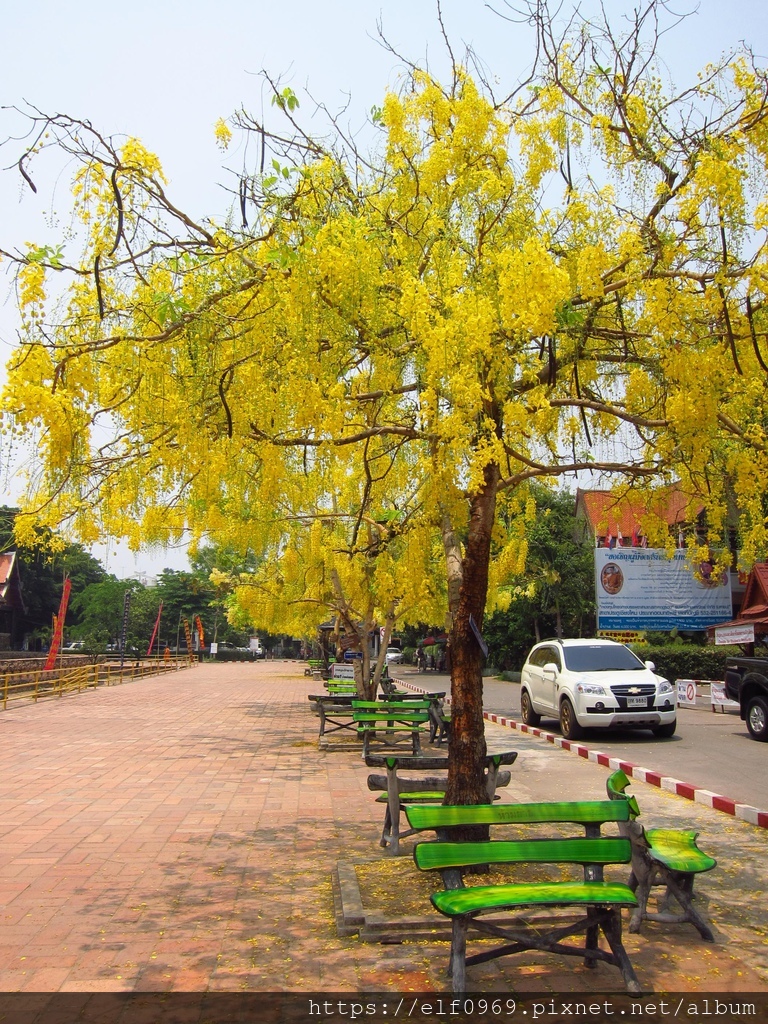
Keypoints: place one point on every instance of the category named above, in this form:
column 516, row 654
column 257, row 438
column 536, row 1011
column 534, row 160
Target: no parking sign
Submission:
column 686, row 692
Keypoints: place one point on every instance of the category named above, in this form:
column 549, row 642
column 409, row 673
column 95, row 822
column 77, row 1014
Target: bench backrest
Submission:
column 433, row 856
column 616, row 787
column 391, row 761
column 587, row 812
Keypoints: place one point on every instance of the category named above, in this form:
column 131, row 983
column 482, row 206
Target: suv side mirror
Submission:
column 550, row 670
column 650, row 665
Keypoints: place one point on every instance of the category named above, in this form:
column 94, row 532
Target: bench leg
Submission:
column 457, row 969
column 386, row 832
column 642, row 892
column 680, row 886
column 393, row 813
column 612, row 930
column 591, row 937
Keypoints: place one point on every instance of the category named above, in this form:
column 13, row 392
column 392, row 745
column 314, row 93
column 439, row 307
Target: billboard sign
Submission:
column 643, row 588
column 736, row 634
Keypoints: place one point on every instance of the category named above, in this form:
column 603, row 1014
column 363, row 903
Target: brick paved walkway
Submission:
column 179, row 833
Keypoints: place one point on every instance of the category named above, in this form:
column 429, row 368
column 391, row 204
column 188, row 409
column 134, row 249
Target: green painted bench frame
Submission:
column 596, row 902
column 335, row 709
column 391, row 721
column 661, row 856
column 399, row 791
column 341, row 686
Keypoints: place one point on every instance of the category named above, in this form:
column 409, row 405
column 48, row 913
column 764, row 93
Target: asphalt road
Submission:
column 710, row 750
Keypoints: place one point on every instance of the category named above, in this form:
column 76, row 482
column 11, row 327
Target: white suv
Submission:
column 595, row 684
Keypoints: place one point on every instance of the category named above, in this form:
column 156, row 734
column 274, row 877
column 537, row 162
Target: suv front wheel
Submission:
column 569, row 726
column 663, row 732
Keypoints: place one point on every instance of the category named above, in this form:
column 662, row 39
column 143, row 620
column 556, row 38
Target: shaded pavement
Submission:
column 180, row 833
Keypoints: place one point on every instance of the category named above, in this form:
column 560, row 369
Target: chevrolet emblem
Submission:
column 634, row 689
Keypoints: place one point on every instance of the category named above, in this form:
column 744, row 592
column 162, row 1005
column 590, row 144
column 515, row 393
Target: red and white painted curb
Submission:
column 665, row 782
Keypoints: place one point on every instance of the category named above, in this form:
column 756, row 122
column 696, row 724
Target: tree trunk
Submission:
column 453, row 566
column 467, row 744
column 364, row 634
column 389, row 624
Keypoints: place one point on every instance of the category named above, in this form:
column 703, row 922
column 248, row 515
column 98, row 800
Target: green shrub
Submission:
column 686, row 661
column 409, row 654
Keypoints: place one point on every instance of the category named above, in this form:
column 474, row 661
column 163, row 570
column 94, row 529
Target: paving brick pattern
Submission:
column 179, row 833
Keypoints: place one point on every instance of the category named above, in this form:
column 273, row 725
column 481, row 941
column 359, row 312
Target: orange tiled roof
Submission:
column 610, row 513
column 7, row 558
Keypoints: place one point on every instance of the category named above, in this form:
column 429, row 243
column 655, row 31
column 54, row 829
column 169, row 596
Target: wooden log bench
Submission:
column 592, row 904
column 398, row 787
column 336, row 713
column 661, row 856
column 391, row 722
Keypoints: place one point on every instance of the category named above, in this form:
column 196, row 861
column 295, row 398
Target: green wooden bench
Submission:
column 391, row 721
column 399, row 791
column 661, row 856
column 314, row 668
column 335, row 710
column 439, row 716
column 597, row 903
column 341, row 686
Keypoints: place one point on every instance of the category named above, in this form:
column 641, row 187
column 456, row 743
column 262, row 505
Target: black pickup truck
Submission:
column 746, row 680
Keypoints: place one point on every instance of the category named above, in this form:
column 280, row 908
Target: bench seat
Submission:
column 593, row 904
column 528, row 894
column 677, row 849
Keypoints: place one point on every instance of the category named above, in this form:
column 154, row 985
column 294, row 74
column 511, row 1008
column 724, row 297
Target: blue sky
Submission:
column 164, row 71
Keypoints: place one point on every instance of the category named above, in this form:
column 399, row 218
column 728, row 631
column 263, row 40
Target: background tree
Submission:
column 555, row 593
column 43, row 566
column 507, row 288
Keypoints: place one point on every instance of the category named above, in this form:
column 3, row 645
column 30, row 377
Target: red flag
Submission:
column 58, row 632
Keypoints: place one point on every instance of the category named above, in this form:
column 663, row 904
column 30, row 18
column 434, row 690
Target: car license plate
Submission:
column 636, row 702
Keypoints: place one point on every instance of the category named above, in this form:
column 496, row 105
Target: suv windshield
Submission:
column 600, row 658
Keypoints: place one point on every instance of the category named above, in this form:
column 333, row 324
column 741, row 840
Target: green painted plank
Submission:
column 579, row 812
column 437, row 855
column 498, row 897
column 677, row 849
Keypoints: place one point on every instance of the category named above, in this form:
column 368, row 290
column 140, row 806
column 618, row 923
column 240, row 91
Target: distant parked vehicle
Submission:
column 746, row 681
column 394, row 656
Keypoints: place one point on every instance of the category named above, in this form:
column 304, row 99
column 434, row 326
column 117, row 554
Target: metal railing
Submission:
column 39, row 684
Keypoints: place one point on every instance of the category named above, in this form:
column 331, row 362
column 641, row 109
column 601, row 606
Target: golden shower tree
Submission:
column 502, row 289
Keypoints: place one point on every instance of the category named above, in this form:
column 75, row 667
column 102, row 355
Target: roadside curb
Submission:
column 700, row 796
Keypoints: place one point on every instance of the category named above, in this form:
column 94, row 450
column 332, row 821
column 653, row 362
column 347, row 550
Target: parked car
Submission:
column 394, row 656
column 746, row 681
column 595, row 684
